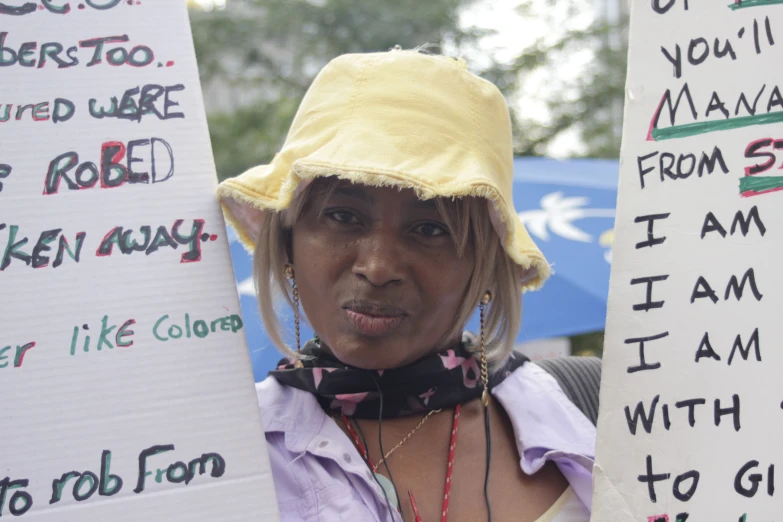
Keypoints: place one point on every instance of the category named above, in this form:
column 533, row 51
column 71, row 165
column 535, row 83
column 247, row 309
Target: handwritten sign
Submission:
column 125, row 382
column 691, row 414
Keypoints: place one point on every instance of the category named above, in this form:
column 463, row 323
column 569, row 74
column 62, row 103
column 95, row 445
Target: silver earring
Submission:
column 289, row 273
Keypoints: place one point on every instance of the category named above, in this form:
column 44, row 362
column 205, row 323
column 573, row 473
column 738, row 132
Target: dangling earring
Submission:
column 289, row 273
column 485, row 300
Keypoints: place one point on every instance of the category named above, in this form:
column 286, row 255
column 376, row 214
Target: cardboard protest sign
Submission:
column 691, row 420
column 125, row 381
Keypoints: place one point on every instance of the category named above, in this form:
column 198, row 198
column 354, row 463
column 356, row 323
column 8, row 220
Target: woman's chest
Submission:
column 322, row 489
column 443, row 468
column 458, row 488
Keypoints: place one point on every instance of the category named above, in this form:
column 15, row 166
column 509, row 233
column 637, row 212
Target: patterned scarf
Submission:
column 440, row 380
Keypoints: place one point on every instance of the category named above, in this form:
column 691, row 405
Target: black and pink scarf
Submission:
column 439, row 380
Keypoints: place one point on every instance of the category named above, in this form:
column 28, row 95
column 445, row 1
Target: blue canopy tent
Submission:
column 568, row 208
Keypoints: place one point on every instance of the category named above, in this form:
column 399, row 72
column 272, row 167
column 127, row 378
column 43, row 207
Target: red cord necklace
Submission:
column 386, row 483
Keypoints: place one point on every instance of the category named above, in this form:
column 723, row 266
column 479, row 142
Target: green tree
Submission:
column 588, row 105
column 257, row 57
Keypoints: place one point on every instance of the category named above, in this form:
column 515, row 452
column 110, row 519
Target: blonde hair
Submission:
column 469, row 222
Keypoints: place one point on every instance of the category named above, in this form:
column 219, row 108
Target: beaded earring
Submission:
column 289, row 274
column 485, row 300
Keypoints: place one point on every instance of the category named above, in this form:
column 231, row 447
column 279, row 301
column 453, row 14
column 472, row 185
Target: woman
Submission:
column 386, row 218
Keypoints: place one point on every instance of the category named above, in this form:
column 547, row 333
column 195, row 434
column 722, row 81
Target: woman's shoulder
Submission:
column 580, row 379
column 271, row 393
column 273, row 398
column 317, row 472
column 546, row 416
column 548, row 426
column 285, row 408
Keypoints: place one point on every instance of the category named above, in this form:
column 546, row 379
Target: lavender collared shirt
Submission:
column 320, row 476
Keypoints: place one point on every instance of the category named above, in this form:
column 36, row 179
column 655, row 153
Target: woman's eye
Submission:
column 431, row 229
column 343, row 217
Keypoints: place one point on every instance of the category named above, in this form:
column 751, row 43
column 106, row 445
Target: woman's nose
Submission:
column 380, row 259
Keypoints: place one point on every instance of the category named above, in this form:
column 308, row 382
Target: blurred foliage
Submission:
column 589, row 105
column 588, row 344
column 257, row 57
column 261, row 55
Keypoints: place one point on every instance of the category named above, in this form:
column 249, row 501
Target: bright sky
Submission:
column 208, row 4
column 514, row 32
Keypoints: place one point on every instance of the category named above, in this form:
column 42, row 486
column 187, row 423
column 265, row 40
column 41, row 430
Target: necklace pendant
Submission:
column 388, row 488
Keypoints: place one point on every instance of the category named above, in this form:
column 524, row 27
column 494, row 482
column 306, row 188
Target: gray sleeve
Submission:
column 580, row 379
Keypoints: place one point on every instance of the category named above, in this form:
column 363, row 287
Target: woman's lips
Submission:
column 373, row 324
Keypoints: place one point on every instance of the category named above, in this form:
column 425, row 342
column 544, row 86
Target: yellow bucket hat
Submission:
column 399, row 118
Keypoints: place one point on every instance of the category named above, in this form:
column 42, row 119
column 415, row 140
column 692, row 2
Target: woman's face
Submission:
column 378, row 273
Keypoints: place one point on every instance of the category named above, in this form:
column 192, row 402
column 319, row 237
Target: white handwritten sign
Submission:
column 691, row 421
column 125, row 381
